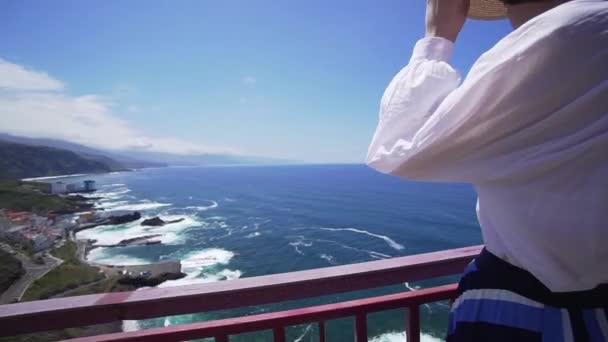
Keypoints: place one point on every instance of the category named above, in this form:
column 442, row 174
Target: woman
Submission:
column 528, row 128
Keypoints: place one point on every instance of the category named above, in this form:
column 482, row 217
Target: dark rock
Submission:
column 141, row 281
column 140, row 240
column 157, row 222
column 135, row 240
column 124, row 218
column 110, row 220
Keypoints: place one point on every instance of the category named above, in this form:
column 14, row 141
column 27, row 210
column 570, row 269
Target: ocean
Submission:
column 257, row 220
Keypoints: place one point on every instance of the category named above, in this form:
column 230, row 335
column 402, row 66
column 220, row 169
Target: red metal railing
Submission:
column 158, row 302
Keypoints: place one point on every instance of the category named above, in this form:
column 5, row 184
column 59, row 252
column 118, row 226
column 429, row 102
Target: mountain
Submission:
column 209, row 159
column 114, row 159
column 137, row 159
column 25, row 161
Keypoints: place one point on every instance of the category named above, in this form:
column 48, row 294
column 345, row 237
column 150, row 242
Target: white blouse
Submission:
column 528, row 128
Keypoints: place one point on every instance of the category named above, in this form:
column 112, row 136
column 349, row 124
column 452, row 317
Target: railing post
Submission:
column 221, row 338
column 278, row 334
column 361, row 327
column 413, row 324
column 321, row 331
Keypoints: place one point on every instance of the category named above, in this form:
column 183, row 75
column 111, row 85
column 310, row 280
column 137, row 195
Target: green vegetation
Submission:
column 10, row 270
column 23, row 161
column 69, row 275
column 105, row 286
column 67, row 253
column 82, row 279
column 21, row 196
column 60, row 279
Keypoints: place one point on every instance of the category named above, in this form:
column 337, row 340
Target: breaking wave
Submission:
column 252, row 235
column 372, row 254
column 328, row 257
column 203, row 207
column 392, row 243
column 401, row 337
column 300, row 243
column 304, row 333
column 101, row 255
column 200, row 267
column 205, row 266
column 170, row 233
column 141, row 206
column 411, row 288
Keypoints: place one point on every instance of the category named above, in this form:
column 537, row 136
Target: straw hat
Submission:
column 487, row 10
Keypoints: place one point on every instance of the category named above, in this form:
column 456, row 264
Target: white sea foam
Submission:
column 304, row 333
column 411, row 288
column 225, row 275
column 379, row 255
column 141, row 206
column 203, row 207
column 130, row 325
column 207, row 257
column 328, row 257
column 170, row 233
column 300, row 243
column 112, row 185
column 109, row 205
column 401, row 337
column 252, row 235
column 227, row 234
column 201, row 267
column 109, row 195
column 114, row 192
column 392, row 243
column 101, row 255
column 372, row 254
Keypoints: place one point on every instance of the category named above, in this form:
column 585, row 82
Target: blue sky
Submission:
column 298, row 80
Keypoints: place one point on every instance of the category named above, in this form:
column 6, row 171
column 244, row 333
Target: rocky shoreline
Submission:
column 112, row 220
column 140, row 240
column 151, row 274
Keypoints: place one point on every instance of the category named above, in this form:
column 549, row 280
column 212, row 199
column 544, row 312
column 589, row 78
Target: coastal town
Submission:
column 42, row 258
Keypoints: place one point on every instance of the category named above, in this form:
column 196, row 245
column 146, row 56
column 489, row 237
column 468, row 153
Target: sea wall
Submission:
column 155, row 269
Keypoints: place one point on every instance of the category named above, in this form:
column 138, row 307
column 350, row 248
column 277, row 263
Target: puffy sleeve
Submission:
column 408, row 104
column 499, row 123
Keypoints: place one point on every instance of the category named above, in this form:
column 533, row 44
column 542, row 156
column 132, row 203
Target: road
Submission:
column 33, row 272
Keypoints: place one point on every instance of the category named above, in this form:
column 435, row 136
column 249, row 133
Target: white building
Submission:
column 74, row 187
column 62, row 188
column 89, row 185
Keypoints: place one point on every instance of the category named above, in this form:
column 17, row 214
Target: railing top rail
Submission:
column 158, row 302
column 239, row 325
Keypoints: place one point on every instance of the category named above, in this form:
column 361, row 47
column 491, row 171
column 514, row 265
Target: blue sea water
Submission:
column 251, row 221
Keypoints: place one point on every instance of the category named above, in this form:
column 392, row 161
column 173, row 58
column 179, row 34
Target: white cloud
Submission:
column 34, row 104
column 249, row 80
column 16, row 77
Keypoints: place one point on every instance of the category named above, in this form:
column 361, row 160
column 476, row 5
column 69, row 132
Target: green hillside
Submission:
column 24, row 161
column 10, row 270
column 24, row 196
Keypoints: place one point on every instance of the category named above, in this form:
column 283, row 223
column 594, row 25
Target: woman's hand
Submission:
column 445, row 18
